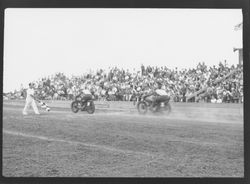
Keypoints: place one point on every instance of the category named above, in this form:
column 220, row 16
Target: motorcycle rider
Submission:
column 159, row 95
column 84, row 95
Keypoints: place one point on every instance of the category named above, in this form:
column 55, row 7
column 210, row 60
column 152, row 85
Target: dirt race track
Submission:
column 195, row 140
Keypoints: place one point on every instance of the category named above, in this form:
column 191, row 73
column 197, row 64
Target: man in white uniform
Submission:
column 30, row 100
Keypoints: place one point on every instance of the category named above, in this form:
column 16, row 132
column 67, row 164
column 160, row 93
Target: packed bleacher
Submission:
column 117, row 84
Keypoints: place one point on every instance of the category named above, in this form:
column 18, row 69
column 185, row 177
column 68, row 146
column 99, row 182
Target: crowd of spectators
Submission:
column 123, row 85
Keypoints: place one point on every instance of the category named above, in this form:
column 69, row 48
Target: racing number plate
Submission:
column 88, row 104
column 162, row 104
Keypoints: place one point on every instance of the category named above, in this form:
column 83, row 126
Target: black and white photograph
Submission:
column 123, row 92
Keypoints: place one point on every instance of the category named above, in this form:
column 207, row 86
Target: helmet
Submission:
column 159, row 85
column 31, row 84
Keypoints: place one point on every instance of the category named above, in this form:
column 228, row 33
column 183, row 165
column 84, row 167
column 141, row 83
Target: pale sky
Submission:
column 41, row 42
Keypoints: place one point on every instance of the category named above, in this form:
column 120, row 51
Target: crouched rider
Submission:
column 85, row 95
column 158, row 95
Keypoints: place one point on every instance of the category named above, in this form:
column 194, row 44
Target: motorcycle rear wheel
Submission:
column 74, row 107
column 142, row 108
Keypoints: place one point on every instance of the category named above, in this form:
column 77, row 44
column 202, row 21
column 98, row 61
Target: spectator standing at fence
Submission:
column 30, row 100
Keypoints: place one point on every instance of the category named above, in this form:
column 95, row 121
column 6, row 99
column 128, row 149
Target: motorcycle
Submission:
column 78, row 104
column 145, row 104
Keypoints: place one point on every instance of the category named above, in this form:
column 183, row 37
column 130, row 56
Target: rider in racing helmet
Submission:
column 160, row 95
column 84, row 95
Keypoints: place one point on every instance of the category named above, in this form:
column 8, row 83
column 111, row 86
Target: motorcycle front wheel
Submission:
column 74, row 107
column 142, row 107
column 167, row 109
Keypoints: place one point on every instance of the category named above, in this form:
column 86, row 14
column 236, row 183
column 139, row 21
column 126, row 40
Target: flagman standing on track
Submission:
column 30, row 100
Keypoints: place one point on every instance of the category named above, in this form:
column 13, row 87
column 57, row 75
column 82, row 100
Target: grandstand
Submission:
column 221, row 83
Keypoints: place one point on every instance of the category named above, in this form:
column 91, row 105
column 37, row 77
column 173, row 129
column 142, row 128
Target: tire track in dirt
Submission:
column 107, row 148
column 99, row 147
